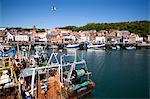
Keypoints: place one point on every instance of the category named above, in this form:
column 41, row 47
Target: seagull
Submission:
column 53, row 8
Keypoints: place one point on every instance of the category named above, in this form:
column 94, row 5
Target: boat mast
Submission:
column 61, row 69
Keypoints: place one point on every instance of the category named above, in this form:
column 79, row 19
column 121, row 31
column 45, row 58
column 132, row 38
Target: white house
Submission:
column 2, row 29
column 100, row 39
column 10, row 37
column 65, row 31
column 21, row 38
column 123, row 33
column 84, row 38
column 139, row 39
column 42, row 37
column 126, row 40
column 70, row 37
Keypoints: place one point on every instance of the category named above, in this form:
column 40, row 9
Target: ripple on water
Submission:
column 118, row 74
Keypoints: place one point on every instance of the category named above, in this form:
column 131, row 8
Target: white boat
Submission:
column 115, row 47
column 72, row 46
column 95, row 46
column 118, row 47
column 130, row 48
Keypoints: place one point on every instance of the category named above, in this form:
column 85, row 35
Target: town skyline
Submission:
column 28, row 27
column 24, row 13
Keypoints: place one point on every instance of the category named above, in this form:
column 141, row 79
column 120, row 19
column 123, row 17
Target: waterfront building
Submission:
column 69, row 39
column 100, row 39
column 60, row 31
column 32, row 37
column 84, row 37
column 2, row 36
column 20, row 38
column 126, row 40
column 40, row 36
column 123, row 33
column 76, row 35
column 54, row 38
column 112, row 33
column 139, row 39
column 49, row 31
column 10, row 37
column 64, row 31
column 133, row 38
column 115, row 40
column 102, row 33
column 88, row 36
column 2, row 28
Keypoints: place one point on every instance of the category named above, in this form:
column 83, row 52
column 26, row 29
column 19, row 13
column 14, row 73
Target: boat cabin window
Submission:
column 28, row 80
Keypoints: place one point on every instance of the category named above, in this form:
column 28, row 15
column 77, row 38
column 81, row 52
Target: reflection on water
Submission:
column 118, row 74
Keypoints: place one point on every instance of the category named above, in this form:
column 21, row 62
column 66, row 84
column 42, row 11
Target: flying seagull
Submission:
column 53, row 8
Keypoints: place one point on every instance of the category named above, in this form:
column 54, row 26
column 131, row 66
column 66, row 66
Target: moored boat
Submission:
column 130, row 48
column 72, row 46
column 117, row 47
column 96, row 46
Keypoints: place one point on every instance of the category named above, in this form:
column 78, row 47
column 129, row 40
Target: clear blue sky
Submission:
column 26, row 13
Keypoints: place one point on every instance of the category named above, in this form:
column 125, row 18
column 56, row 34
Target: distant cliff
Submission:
column 142, row 28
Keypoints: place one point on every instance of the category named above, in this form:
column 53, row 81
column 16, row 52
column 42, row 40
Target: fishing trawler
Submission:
column 57, row 79
column 29, row 77
column 76, row 79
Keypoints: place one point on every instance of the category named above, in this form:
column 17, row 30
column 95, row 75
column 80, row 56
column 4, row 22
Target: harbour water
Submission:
column 118, row 74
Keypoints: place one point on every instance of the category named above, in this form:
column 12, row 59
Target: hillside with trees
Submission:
column 142, row 28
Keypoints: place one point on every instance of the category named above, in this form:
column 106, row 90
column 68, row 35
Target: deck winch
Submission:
column 79, row 73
